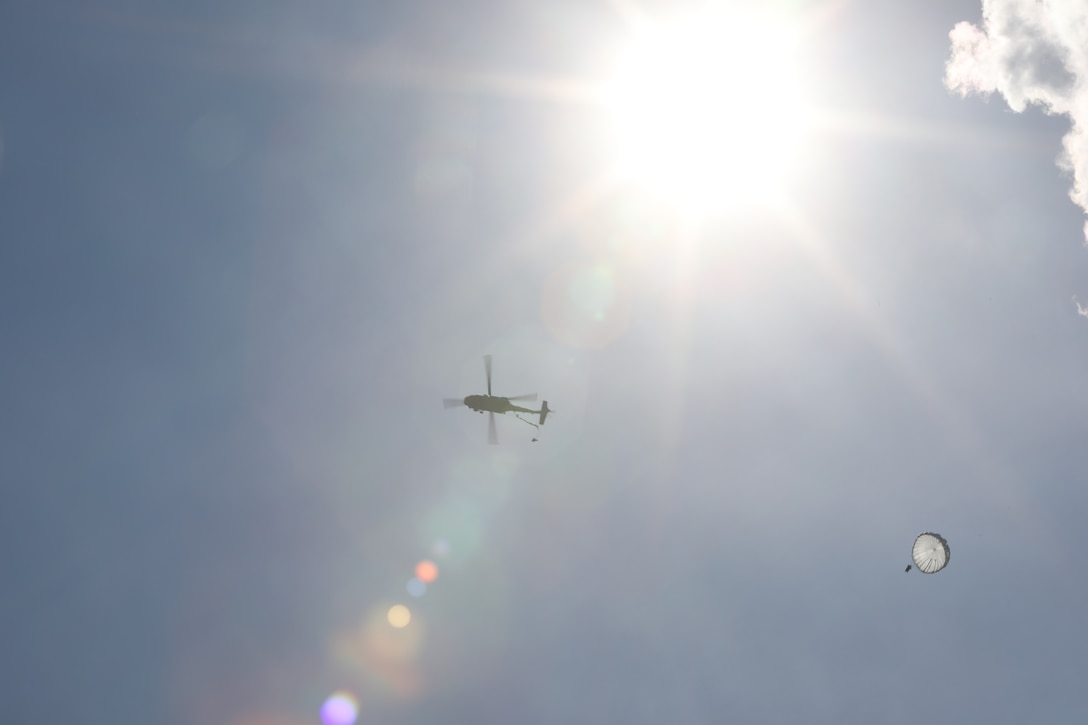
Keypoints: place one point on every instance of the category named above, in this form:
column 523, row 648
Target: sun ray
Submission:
column 955, row 422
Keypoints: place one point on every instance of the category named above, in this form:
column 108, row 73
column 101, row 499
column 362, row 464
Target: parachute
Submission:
column 930, row 553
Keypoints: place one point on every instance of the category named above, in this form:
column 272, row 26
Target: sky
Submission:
column 246, row 249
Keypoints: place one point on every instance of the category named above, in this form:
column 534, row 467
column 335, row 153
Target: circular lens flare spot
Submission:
column 585, row 305
column 399, row 616
column 340, row 709
column 426, row 571
column 415, row 587
column 593, row 290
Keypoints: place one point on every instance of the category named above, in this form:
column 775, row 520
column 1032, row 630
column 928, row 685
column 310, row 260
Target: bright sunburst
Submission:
column 707, row 111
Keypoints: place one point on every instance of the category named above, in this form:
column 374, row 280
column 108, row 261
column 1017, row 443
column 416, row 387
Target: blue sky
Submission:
column 247, row 248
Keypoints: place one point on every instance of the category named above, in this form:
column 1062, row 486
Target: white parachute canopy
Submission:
column 930, row 553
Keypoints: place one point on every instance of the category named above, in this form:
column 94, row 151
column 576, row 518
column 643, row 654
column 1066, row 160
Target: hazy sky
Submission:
column 246, row 248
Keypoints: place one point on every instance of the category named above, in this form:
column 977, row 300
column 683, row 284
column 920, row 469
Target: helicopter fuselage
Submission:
column 495, row 404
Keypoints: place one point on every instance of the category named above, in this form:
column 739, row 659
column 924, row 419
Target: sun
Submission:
column 706, row 111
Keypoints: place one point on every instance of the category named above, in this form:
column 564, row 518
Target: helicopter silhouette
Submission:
column 492, row 404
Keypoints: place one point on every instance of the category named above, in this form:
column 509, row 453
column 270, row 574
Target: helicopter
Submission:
column 493, row 404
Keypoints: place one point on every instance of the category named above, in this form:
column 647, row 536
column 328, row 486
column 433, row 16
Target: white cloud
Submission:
column 1031, row 52
column 1081, row 309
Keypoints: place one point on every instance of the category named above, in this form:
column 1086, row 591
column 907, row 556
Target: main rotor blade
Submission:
column 492, row 434
column 487, row 367
column 527, row 396
column 453, row 402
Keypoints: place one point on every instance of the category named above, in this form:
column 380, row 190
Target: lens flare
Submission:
column 585, row 305
column 426, row 571
column 399, row 616
column 441, row 548
column 340, row 709
column 415, row 587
